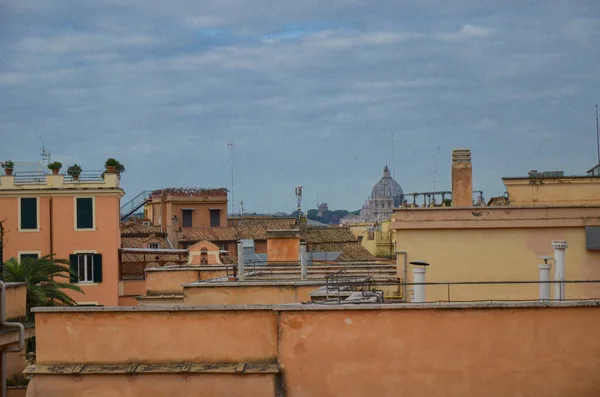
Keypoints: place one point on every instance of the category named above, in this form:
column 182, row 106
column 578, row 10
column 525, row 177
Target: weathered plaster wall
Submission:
column 268, row 294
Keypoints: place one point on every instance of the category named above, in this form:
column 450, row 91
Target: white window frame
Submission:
column 37, row 201
column 93, row 229
column 19, row 253
column 85, row 252
column 150, row 246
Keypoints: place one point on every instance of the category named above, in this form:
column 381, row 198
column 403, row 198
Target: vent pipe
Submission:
column 419, row 268
column 241, row 273
column 303, row 264
column 559, row 268
column 545, row 278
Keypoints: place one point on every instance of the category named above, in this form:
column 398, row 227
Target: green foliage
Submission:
column 17, row 380
column 447, row 202
column 55, row 165
column 111, row 162
column 7, row 164
column 74, row 170
column 328, row 217
column 44, row 277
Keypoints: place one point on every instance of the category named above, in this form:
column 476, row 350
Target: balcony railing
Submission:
column 39, row 177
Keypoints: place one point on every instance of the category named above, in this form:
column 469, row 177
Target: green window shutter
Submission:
column 85, row 213
column 73, row 268
column 97, row 268
column 29, row 213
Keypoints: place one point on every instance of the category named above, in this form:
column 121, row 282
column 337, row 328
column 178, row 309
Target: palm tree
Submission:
column 43, row 277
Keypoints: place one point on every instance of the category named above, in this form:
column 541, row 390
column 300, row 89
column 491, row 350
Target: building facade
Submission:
column 76, row 220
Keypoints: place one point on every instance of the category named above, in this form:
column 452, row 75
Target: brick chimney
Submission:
column 462, row 178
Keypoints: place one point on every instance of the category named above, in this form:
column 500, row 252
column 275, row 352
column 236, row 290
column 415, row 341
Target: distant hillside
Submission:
column 330, row 217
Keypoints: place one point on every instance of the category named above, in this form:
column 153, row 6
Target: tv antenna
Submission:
column 231, row 146
column 597, row 136
column 298, row 192
column 435, row 167
column 393, row 155
column 45, row 154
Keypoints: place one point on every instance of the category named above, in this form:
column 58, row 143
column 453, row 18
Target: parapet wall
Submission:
column 499, row 349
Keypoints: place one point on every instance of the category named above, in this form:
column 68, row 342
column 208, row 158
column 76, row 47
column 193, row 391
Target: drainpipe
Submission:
column 404, row 287
column 4, row 323
column 51, row 228
column 419, row 268
column 545, row 278
column 559, row 268
column 240, row 249
column 303, row 267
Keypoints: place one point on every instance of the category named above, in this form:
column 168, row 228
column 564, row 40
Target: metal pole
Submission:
column 4, row 323
column 597, row 135
column 303, row 267
column 241, row 274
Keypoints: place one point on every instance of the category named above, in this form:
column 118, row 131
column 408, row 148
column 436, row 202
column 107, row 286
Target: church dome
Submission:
column 388, row 188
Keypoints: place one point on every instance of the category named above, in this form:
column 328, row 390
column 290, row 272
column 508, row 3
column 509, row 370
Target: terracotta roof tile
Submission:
column 319, row 235
column 351, row 252
column 139, row 229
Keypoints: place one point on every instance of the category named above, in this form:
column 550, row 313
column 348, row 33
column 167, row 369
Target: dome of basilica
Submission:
column 388, row 188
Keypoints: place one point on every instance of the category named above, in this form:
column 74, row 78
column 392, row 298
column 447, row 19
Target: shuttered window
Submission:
column 215, row 218
column 186, row 220
column 29, row 215
column 85, row 213
column 86, row 268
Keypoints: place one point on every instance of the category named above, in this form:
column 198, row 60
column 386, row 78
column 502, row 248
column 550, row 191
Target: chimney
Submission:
column 462, row 178
column 303, row 224
column 172, row 234
column 559, row 268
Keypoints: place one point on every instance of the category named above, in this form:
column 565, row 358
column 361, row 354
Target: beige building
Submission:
column 504, row 242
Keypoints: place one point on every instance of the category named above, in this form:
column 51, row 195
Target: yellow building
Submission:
column 504, row 243
column 378, row 238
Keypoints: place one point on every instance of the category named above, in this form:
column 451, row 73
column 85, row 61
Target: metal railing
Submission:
column 135, row 204
column 87, row 176
column 30, row 177
column 534, row 295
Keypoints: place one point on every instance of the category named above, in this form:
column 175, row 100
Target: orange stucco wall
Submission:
column 16, row 301
column 169, row 282
column 201, row 336
column 16, row 392
column 201, row 385
column 468, row 351
column 162, row 211
column 15, row 362
column 105, row 239
column 267, row 294
column 462, row 185
column 553, row 191
column 504, row 352
column 211, row 255
column 283, row 249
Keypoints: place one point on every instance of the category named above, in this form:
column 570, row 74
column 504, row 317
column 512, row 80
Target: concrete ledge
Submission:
column 253, row 283
column 160, row 368
column 319, row 307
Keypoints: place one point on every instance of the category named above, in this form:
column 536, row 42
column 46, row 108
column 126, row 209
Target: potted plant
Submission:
column 111, row 165
column 120, row 168
column 8, row 167
column 55, row 167
column 74, row 171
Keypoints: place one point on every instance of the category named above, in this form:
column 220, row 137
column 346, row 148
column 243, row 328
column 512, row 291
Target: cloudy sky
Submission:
column 310, row 91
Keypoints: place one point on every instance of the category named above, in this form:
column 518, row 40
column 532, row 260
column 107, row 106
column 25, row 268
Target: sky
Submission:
column 310, row 92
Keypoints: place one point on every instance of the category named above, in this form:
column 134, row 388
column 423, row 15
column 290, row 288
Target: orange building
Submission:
column 73, row 219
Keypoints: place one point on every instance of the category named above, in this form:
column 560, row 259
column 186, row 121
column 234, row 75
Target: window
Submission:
column 28, row 213
column 86, row 268
column 186, row 218
column 203, row 256
column 224, row 246
column 360, row 239
column 215, row 218
column 154, row 246
column 24, row 256
column 84, row 213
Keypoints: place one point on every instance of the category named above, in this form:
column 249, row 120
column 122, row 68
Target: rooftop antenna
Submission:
column 231, row 146
column 597, row 136
column 298, row 192
column 45, row 153
column 242, row 208
column 435, row 168
column 393, row 155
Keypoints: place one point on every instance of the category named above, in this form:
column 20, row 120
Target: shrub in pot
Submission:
column 74, row 171
column 55, row 167
column 111, row 165
column 8, row 167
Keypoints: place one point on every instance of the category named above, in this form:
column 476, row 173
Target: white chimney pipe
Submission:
column 303, row 265
column 545, row 278
column 240, row 249
column 559, row 268
column 419, row 269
